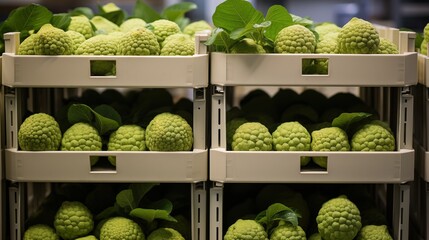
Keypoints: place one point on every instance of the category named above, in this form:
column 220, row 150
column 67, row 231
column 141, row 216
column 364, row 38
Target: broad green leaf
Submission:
column 104, row 124
column 250, row 31
column 220, row 37
column 150, row 215
column 275, row 208
column 86, row 11
column 125, row 199
column 61, row 20
column 79, row 113
column 235, row 14
column 108, row 112
column 346, row 120
column 116, row 17
column 145, row 12
column 178, row 10
column 140, row 189
column 287, row 216
column 162, row 204
column 25, row 19
column 279, row 18
column 182, row 22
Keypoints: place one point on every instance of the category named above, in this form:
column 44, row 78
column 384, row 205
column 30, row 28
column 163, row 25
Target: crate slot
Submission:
column 103, row 64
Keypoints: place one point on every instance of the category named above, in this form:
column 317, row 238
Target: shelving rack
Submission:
column 394, row 75
column 55, row 77
column 420, row 213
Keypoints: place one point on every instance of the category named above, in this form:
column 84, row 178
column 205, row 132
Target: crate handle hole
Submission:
column 315, row 66
column 102, row 68
column 313, row 164
column 102, row 164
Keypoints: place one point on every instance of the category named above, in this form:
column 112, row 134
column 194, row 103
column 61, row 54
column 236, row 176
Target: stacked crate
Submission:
column 36, row 83
column 385, row 78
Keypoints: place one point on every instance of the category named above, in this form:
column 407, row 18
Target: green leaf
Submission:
column 286, row 215
column 249, row 30
column 346, row 120
column 235, row 14
column 116, row 17
column 108, row 112
column 279, row 18
column 150, row 215
column 86, row 11
column 104, row 121
column 178, row 10
column 145, row 12
column 220, row 37
column 162, row 204
column 26, row 18
column 139, row 190
column 79, row 113
column 182, row 22
column 306, row 21
column 125, row 199
column 61, row 20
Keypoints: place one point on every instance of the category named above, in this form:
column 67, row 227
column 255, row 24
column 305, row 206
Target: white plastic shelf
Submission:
column 74, row 71
column 60, row 166
column 285, row 70
column 284, row 167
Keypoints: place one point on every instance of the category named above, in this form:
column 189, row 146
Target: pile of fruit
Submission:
column 145, row 120
column 112, row 211
column 300, row 212
column 288, row 121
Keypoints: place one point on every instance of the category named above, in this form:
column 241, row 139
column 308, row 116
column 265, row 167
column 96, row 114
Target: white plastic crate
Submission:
column 399, row 219
column 72, row 72
column 25, row 198
column 131, row 71
column 398, row 71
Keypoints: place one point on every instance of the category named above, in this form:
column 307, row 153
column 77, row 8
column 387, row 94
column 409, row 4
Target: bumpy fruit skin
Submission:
column 40, row 232
column 99, row 45
column 90, row 237
column 326, row 28
column 81, row 137
column 338, row 219
column 231, row 126
column 246, row 229
column 328, row 139
column 27, row 46
column 126, row 138
column 326, row 45
column 358, row 37
column 169, row 132
column 426, row 32
column 178, row 46
column 289, row 232
column 163, row 28
column 373, row 137
column 118, row 228
column 387, row 47
column 315, row 236
column 374, row 232
column 252, row 136
column 165, row 234
column 176, row 36
column 295, row 39
column 73, row 220
column 131, row 24
column 82, row 25
column 140, row 41
column 424, row 47
column 53, row 41
column 196, row 26
column 292, row 136
column 77, row 39
column 39, row 132
column 247, row 45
